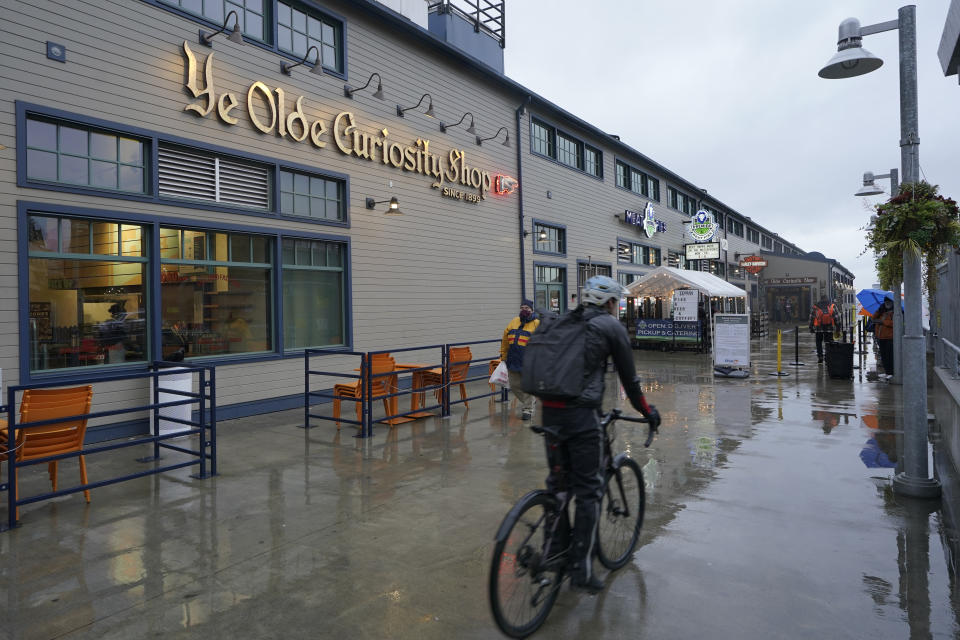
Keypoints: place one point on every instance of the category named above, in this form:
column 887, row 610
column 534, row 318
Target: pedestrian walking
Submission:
column 824, row 319
column 514, row 341
column 883, row 332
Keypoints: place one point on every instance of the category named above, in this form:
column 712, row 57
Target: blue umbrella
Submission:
column 875, row 457
column 872, row 299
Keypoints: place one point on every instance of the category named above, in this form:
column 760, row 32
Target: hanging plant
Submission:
column 919, row 220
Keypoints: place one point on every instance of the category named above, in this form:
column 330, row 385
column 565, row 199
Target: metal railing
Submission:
column 406, row 386
column 483, row 14
column 203, row 426
column 947, row 355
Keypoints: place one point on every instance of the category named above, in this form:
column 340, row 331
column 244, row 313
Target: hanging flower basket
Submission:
column 917, row 219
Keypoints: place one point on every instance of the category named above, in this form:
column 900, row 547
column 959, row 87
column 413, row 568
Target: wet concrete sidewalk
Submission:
column 769, row 515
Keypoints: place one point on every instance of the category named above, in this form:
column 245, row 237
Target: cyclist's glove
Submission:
column 654, row 417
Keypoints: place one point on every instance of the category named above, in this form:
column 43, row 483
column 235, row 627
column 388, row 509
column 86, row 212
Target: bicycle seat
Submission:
column 551, row 431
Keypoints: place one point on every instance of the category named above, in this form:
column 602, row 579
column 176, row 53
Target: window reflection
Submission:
column 84, row 311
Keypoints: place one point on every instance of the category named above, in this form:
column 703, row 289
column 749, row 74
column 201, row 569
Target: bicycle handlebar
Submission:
column 617, row 414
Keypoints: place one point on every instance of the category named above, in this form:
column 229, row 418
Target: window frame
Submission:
column 646, row 249
column 272, row 28
column 552, row 225
column 565, row 287
column 154, row 139
column 152, row 224
column 344, row 271
column 675, row 195
column 648, row 179
column 554, row 134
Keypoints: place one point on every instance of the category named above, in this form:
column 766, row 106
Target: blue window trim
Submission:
column 24, row 208
column 154, row 138
column 556, row 265
column 533, row 233
column 660, row 182
column 640, row 244
column 576, row 138
column 596, row 263
column 272, row 45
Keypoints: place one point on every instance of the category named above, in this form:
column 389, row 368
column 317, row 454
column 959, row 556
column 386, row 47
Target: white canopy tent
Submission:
column 662, row 281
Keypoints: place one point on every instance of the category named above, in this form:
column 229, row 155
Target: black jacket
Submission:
column 606, row 337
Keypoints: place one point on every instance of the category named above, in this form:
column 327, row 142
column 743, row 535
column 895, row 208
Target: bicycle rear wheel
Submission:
column 621, row 513
column 523, row 587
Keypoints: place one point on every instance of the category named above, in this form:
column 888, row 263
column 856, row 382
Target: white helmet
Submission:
column 599, row 289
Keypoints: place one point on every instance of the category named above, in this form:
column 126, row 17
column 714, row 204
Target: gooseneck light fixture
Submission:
column 429, row 112
column 542, row 236
column 393, row 209
column 506, row 140
column 348, row 91
column 870, row 188
column 316, row 68
column 206, row 39
column 470, row 129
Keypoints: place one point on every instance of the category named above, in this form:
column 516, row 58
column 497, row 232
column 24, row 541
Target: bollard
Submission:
column 796, row 348
column 779, row 371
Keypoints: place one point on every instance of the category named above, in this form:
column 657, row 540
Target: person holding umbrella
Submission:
column 883, row 331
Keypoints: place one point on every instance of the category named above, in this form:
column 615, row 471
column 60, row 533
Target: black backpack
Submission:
column 553, row 358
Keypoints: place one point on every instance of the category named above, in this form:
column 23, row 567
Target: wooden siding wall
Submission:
column 445, row 271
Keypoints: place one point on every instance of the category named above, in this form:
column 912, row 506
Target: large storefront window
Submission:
column 216, row 294
column 313, row 294
column 549, row 287
column 87, row 301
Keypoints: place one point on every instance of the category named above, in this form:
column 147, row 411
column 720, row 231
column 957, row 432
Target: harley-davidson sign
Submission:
column 753, row 264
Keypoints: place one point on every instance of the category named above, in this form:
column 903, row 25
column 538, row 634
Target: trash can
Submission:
column 840, row 359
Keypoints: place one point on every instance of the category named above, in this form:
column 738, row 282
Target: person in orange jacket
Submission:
column 883, row 331
column 824, row 320
column 514, row 341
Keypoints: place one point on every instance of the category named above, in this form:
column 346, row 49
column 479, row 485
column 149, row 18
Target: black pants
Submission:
column 580, row 451
column 886, row 355
column 821, row 337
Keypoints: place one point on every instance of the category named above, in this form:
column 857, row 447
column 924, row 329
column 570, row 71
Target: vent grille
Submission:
column 188, row 174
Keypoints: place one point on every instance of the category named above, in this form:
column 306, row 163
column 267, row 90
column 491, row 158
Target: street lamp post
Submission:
column 852, row 60
column 869, row 188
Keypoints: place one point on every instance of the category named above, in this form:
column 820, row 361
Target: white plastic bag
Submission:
column 500, row 376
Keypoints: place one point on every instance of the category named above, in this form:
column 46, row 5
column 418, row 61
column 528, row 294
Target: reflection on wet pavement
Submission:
column 769, row 515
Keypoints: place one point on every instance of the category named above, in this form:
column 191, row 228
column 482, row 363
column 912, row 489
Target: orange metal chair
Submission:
column 52, row 439
column 379, row 386
column 460, row 358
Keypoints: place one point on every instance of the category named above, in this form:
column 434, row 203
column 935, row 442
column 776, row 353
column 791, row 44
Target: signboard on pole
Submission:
column 731, row 339
column 685, row 305
column 703, row 251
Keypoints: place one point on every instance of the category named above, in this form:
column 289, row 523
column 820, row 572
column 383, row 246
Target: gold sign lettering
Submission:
column 205, row 93
column 267, row 111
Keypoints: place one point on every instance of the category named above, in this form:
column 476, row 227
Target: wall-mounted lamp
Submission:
column 470, row 129
column 506, row 141
column 348, row 91
column 393, row 209
column 429, row 112
column 541, row 236
column 317, row 67
column 235, row 35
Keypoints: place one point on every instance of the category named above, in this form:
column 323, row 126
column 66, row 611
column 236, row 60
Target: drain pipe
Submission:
column 523, row 269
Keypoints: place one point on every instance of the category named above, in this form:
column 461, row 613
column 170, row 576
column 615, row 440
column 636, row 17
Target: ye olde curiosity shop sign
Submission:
column 347, row 136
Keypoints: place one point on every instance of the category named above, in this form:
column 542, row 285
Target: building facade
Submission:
column 169, row 194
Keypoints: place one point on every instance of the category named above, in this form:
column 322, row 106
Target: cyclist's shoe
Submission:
column 592, row 585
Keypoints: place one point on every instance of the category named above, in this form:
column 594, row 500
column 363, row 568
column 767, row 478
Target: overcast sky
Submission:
column 727, row 95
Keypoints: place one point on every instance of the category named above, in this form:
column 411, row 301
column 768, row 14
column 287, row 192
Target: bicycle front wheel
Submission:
column 621, row 513
column 523, row 583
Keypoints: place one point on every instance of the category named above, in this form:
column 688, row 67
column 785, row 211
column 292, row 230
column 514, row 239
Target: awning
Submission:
column 663, row 280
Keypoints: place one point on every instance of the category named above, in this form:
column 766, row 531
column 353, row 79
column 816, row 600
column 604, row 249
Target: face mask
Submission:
column 525, row 315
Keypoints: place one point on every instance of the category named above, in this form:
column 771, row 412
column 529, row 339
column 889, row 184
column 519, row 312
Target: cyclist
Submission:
column 578, row 420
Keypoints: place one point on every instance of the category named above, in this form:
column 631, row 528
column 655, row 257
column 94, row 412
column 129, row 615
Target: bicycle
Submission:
column 532, row 548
